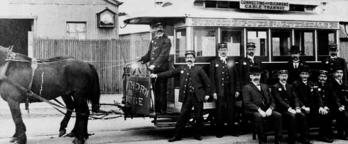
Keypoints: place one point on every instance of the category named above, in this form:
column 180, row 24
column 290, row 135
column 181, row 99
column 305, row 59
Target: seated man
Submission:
column 288, row 105
column 339, row 93
column 259, row 105
column 303, row 88
column 323, row 107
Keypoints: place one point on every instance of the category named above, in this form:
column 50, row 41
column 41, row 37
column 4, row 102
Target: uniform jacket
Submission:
column 294, row 73
column 284, row 98
column 244, row 66
column 158, row 53
column 304, row 93
column 339, row 93
column 322, row 96
column 199, row 79
column 253, row 98
column 221, row 74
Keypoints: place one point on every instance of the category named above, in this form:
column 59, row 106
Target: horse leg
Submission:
column 19, row 137
column 70, row 106
column 82, row 114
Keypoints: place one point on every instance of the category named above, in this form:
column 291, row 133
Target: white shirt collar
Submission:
column 282, row 83
column 250, row 57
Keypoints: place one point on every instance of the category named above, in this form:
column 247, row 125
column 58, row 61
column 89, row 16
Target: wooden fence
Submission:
column 108, row 56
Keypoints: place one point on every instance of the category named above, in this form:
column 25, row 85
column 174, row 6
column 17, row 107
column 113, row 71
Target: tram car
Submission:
column 199, row 25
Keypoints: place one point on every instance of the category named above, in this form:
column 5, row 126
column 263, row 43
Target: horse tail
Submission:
column 94, row 96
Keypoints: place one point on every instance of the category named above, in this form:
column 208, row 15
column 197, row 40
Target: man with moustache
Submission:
column 157, row 57
column 223, row 76
column 323, row 108
column 288, row 105
column 259, row 106
column 246, row 63
column 339, row 92
column 194, row 85
column 333, row 61
column 294, row 64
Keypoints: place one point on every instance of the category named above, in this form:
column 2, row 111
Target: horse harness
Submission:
column 11, row 57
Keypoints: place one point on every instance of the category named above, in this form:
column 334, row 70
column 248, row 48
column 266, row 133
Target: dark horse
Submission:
column 66, row 77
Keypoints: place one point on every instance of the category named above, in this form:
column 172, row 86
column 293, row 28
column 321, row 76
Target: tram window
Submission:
column 204, row 41
column 233, row 39
column 259, row 37
column 180, row 43
column 281, row 43
column 305, row 40
column 325, row 37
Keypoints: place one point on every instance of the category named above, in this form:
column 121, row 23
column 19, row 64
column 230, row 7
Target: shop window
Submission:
column 180, row 42
column 305, row 41
column 233, row 39
column 76, row 30
column 204, row 41
column 259, row 37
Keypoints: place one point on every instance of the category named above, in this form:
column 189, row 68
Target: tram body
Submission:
column 202, row 24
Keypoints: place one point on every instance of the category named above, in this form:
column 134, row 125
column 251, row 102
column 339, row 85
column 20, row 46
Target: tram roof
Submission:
column 180, row 10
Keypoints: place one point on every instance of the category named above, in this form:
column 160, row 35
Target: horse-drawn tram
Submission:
column 273, row 25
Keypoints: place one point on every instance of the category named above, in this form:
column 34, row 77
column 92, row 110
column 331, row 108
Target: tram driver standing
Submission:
column 223, row 76
column 157, row 57
column 333, row 61
column 194, row 89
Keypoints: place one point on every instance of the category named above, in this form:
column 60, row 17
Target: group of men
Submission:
column 294, row 99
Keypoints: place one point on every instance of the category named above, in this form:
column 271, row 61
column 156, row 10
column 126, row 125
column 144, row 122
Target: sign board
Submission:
column 263, row 23
column 138, row 96
column 271, row 5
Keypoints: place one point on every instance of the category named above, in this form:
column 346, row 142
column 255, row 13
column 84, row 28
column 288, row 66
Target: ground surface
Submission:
column 43, row 124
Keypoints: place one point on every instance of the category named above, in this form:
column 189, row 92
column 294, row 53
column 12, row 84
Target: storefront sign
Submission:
column 263, row 23
column 264, row 5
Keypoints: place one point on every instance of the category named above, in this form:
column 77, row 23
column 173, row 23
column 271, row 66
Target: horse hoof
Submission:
column 62, row 132
column 13, row 140
column 70, row 135
column 78, row 141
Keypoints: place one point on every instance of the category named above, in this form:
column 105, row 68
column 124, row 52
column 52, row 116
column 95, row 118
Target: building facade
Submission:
column 23, row 21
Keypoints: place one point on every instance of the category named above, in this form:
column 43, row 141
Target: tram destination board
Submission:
column 138, row 96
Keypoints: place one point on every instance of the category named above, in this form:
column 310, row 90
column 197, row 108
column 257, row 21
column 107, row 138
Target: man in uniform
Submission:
column 333, row 61
column 339, row 92
column 223, row 76
column 246, row 63
column 157, row 57
column 259, row 105
column 194, row 88
column 303, row 88
column 294, row 64
column 323, row 108
column 288, row 105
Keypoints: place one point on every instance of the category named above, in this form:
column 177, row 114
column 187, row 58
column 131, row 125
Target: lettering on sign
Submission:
column 264, row 5
column 264, row 23
column 138, row 98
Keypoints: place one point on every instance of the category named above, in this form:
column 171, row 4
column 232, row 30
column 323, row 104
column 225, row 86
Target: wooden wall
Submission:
column 108, row 56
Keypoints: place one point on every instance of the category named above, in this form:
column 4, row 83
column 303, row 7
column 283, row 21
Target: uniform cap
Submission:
column 251, row 45
column 305, row 68
column 283, row 71
column 222, row 45
column 333, row 47
column 158, row 26
column 187, row 52
column 324, row 72
column 254, row 70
